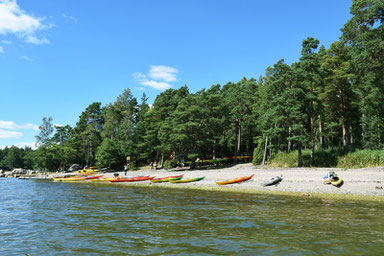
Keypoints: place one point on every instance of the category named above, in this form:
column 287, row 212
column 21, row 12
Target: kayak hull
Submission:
column 236, row 180
column 336, row 181
column 132, row 179
column 187, row 180
column 167, row 179
column 272, row 181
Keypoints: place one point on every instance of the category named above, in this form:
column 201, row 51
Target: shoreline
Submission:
column 365, row 183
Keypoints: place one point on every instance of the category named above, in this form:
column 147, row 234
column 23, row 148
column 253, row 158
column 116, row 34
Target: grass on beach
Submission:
column 340, row 158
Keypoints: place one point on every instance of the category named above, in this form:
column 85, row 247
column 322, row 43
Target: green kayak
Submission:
column 187, row 180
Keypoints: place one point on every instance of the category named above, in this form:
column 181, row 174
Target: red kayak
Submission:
column 94, row 177
column 130, row 179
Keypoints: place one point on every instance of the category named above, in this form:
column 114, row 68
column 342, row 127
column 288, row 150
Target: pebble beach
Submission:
column 301, row 181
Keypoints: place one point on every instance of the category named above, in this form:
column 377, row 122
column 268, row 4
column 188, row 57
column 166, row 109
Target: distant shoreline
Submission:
column 365, row 183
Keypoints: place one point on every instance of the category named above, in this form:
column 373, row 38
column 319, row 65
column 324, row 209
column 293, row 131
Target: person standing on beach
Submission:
column 155, row 165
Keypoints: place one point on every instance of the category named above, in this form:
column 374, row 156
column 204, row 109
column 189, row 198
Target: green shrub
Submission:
column 340, row 157
column 258, row 152
column 362, row 158
column 170, row 164
column 284, row 159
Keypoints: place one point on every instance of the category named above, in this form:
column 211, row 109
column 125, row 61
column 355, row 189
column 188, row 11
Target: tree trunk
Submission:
column 239, row 138
column 344, row 127
column 265, row 149
column 321, row 138
column 289, row 136
column 299, row 159
column 235, row 154
column 162, row 160
column 312, row 142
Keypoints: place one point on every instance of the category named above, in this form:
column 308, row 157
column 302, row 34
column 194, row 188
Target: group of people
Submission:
column 153, row 165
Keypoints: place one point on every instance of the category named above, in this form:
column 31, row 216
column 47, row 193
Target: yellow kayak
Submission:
column 187, row 180
column 336, row 181
column 103, row 179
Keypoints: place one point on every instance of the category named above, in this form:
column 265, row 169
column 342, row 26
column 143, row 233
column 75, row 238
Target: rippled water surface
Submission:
column 47, row 218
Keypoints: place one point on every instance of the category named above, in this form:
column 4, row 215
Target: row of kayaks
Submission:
column 153, row 179
column 172, row 179
column 100, row 178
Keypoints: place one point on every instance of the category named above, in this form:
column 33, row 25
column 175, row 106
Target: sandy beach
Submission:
column 300, row 181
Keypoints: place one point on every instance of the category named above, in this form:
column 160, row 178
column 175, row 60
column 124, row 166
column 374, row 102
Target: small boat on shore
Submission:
column 187, row 180
column 272, row 181
column 103, row 179
column 336, row 181
column 131, row 179
column 168, row 178
column 235, row 180
column 81, row 178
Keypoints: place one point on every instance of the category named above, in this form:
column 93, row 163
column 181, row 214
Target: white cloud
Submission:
column 160, row 77
column 1, row 49
column 14, row 20
column 6, row 42
column 71, row 18
column 26, row 58
column 12, row 126
column 35, row 40
column 163, row 73
column 157, row 85
column 10, row 134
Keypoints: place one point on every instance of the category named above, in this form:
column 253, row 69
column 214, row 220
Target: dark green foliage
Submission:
column 364, row 33
column 258, row 152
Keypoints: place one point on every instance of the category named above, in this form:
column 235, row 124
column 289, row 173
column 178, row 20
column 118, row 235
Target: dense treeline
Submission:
column 330, row 98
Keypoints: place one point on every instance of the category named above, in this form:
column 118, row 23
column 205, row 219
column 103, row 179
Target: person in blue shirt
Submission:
column 329, row 176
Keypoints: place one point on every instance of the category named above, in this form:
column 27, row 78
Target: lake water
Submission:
column 49, row 218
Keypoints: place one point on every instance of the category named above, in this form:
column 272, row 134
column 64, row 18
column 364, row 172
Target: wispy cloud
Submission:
column 4, row 134
column 160, row 76
column 70, row 18
column 6, row 42
column 163, row 73
column 157, row 85
column 12, row 126
column 26, row 58
column 15, row 21
column 35, row 40
column 1, row 49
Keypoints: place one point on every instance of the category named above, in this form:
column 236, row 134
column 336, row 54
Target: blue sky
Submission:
column 57, row 57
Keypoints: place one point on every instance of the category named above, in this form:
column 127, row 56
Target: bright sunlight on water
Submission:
column 46, row 218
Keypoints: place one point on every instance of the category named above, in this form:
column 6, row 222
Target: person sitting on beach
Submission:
column 329, row 176
column 155, row 165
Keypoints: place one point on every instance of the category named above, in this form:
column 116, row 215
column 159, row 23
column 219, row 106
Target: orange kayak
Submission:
column 235, row 180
